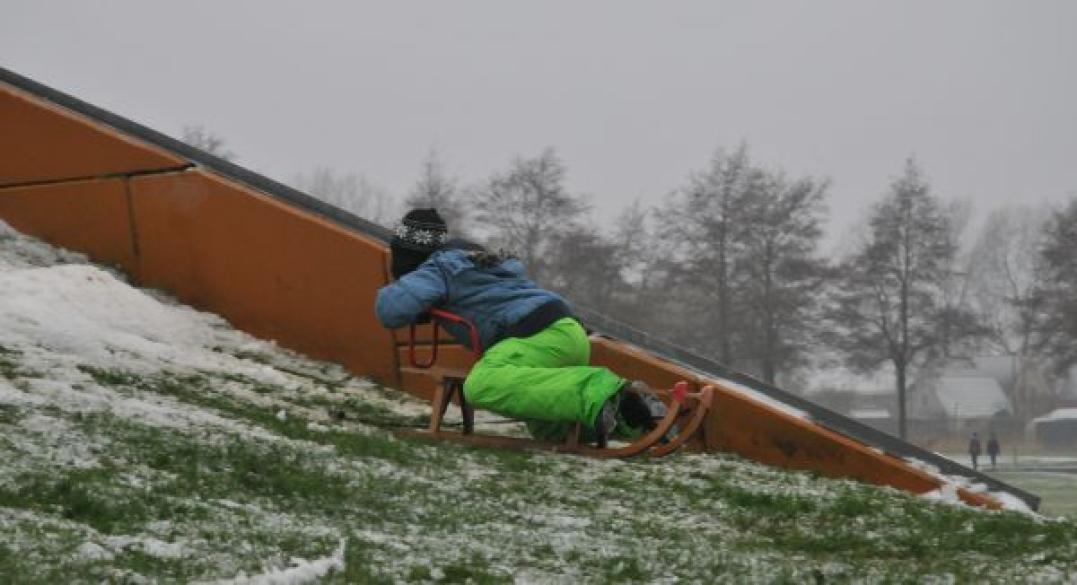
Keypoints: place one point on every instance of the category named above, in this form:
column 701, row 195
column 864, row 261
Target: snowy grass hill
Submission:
column 142, row 441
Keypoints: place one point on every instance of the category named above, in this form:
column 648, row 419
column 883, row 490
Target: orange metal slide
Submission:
column 283, row 266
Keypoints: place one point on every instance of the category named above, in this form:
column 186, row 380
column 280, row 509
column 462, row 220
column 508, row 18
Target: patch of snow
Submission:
column 301, row 571
column 85, row 311
column 20, row 251
column 947, row 494
column 147, row 544
column 91, row 551
column 55, row 439
column 1007, row 500
column 1012, row 502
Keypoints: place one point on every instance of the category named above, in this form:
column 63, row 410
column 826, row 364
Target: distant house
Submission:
column 1057, row 428
column 1028, row 383
column 958, row 399
column 1003, row 368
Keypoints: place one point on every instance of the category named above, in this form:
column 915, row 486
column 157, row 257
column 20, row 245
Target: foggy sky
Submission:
column 633, row 95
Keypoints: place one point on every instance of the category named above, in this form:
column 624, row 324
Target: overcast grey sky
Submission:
column 634, row 95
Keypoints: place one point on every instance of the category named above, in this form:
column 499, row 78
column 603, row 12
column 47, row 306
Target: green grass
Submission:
column 11, row 366
column 113, row 378
column 9, row 413
column 250, row 496
column 1057, row 490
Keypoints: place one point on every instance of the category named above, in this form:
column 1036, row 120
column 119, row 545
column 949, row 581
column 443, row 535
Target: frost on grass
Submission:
column 144, row 441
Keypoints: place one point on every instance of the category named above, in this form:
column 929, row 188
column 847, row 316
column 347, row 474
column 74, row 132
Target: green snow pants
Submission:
column 544, row 380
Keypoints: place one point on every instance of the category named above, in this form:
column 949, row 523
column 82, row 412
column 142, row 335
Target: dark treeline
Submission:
column 730, row 265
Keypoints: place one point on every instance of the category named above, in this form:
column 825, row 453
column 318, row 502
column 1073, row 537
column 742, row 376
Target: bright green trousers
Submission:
column 544, row 380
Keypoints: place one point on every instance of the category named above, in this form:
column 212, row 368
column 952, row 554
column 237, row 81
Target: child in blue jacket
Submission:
column 534, row 365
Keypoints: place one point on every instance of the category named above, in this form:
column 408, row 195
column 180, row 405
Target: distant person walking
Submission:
column 974, row 450
column 993, row 449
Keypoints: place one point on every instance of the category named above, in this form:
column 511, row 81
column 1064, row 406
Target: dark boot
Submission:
column 639, row 407
column 606, row 421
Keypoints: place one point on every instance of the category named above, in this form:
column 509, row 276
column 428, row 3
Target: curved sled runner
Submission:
column 659, row 442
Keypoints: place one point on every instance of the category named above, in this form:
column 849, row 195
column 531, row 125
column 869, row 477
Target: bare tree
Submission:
column 889, row 304
column 1003, row 277
column 586, row 267
column 526, row 208
column 1052, row 304
column 781, row 274
column 654, row 299
column 435, row 188
column 703, row 221
column 1003, row 274
column 202, row 139
column 634, row 242
column 351, row 192
column 961, row 332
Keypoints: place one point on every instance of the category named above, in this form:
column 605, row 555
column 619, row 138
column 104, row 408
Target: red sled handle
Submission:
column 442, row 315
column 679, row 391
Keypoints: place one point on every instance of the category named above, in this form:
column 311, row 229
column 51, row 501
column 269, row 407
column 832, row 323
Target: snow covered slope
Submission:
column 67, row 320
column 145, row 441
column 76, row 341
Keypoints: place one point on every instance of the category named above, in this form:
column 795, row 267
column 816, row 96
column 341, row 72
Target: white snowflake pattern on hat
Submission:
column 421, row 237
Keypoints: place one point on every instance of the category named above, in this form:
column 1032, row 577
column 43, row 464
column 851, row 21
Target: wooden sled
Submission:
column 685, row 410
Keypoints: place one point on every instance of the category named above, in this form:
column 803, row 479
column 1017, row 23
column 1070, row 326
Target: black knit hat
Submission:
column 420, row 233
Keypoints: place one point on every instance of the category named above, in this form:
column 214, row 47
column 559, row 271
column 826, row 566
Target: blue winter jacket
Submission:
column 494, row 299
